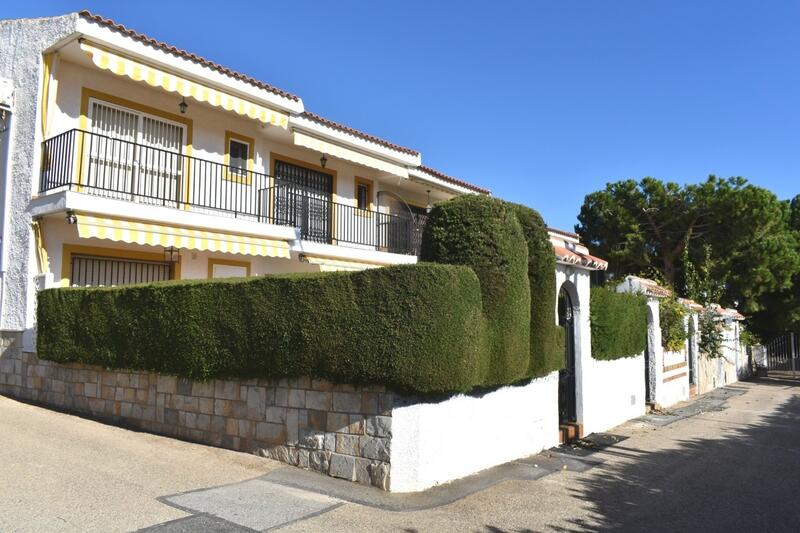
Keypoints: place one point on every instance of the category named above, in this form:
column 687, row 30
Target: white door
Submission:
column 134, row 155
column 110, row 150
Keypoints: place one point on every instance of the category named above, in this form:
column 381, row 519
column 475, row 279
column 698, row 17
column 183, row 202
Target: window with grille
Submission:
column 98, row 271
column 304, row 199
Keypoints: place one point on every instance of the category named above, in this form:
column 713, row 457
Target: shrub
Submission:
column 711, row 336
column 619, row 324
column 547, row 354
column 673, row 325
column 415, row 328
column 484, row 234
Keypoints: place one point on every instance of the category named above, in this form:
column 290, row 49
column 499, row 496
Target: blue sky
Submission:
column 543, row 102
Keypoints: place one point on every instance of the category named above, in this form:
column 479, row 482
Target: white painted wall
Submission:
column 22, row 42
column 437, row 442
column 608, row 393
column 577, row 282
column 613, row 392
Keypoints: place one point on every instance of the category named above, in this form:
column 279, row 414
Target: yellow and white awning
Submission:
column 336, row 265
column 160, row 235
column 156, row 77
column 306, row 141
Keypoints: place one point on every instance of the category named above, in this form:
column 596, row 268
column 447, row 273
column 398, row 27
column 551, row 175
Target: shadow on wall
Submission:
column 745, row 479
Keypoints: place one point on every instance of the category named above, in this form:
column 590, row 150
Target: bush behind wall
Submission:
column 547, row 342
column 414, row 328
column 619, row 324
column 484, row 234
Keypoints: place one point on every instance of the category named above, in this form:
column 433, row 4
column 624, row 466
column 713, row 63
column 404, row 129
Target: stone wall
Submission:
column 339, row 430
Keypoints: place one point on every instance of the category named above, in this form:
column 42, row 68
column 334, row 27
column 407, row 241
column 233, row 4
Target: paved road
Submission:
column 728, row 462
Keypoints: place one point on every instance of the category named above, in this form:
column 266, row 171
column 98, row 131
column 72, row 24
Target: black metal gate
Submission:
column 567, row 411
column 780, row 356
column 303, row 199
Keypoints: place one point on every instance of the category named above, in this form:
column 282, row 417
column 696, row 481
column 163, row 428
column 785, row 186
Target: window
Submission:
column 97, row 271
column 238, row 157
column 238, row 154
column 363, row 194
column 133, row 153
column 224, row 268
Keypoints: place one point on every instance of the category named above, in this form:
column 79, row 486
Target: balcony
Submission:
column 99, row 165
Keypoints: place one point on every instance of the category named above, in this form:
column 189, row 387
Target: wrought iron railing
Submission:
column 322, row 220
column 121, row 169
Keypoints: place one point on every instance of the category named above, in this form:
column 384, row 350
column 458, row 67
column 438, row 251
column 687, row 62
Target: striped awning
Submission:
column 336, row 265
column 192, row 239
column 155, row 77
column 306, row 141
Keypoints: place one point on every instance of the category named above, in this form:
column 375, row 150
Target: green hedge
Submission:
column 547, row 351
column 671, row 317
column 485, row 234
column 619, row 324
column 416, row 328
column 467, row 322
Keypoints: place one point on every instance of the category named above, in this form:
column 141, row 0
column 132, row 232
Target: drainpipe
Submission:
column 5, row 178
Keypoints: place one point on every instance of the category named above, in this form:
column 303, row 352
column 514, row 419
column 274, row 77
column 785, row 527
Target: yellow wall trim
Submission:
column 229, row 174
column 370, row 195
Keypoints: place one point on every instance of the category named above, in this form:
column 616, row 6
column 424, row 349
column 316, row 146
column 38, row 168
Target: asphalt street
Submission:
column 727, row 461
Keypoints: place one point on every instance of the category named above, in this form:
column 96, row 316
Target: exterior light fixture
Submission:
column 72, row 218
column 429, row 206
column 323, row 161
column 3, row 120
column 171, row 254
column 183, row 106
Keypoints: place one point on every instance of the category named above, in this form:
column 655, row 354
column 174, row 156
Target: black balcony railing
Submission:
column 121, row 169
column 322, row 220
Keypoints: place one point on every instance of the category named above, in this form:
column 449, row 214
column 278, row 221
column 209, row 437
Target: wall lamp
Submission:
column 429, row 206
column 171, row 254
column 183, row 106
column 323, row 161
column 72, row 218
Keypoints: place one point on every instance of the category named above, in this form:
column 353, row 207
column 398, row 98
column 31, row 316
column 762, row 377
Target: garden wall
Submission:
column 613, row 391
column 338, row 430
column 365, row 434
column 435, row 442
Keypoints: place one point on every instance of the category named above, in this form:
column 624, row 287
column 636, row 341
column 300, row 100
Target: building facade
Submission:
column 129, row 161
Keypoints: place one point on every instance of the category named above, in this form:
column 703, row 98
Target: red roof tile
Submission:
column 347, row 129
column 456, row 181
column 578, row 258
column 184, row 54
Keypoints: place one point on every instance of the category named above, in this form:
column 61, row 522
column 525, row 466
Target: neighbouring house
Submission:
column 731, row 364
column 132, row 161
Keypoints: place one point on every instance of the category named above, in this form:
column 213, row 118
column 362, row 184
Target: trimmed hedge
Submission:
column 415, row 328
column 485, row 234
column 467, row 322
column 619, row 324
column 547, row 348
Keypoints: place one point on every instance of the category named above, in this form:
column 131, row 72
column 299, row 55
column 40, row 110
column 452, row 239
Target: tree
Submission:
column 738, row 232
column 780, row 310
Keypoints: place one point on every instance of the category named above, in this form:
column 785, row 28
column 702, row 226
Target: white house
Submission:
column 128, row 160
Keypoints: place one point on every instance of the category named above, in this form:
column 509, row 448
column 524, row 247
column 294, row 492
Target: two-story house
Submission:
column 128, row 160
